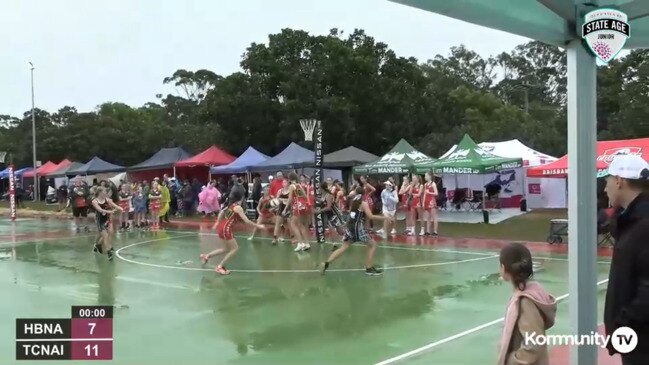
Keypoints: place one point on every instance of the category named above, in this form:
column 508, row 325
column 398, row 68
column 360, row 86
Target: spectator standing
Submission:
column 187, row 197
column 173, row 195
column 146, row 188
column 389, row 201
column 62, row 195
column 165, row 200
column 197, row 187
column 20, row 196
column 277, row 184
column 256, row 191
column 627, row 296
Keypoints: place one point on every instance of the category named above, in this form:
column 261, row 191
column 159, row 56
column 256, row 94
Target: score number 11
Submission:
column 94, row 348
column 92, row 339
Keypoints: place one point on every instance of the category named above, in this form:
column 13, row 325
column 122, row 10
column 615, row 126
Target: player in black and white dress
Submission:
column 328, row 206
column 359, row 212
column 104, row 208
column 281, row 213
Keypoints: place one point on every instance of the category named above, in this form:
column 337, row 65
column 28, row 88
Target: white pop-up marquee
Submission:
column 539, row 192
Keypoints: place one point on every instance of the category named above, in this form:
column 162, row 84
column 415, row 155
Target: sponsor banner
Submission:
column 12, row 192
column 534, row 189
column 317, row 179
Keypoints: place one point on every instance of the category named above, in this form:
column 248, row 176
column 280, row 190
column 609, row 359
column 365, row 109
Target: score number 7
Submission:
column 92, row 327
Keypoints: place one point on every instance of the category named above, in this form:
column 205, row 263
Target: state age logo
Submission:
column 606, row 31
column 610, row 153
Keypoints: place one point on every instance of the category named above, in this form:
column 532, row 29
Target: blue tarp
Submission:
column 250, row 157
column 96, row 166
column 4, row 174
column 293, row 157
column 163, row 159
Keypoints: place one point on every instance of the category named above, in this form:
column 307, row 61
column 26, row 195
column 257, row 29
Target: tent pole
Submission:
column 582, row 217
column 174, row 170
column 525, row 188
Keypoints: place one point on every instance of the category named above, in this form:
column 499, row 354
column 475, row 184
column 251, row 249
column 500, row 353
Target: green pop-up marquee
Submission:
column 468, row 158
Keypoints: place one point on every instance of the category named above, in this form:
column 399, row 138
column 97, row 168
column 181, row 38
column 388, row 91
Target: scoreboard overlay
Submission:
column 86, row 335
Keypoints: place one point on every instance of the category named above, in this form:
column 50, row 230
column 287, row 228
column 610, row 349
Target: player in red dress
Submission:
column 416, row 191
column 404, row 202
column 224, row 225
column 430, row 204
column 265, row 214
column 310, row 193
column 341, row 197
column 298, row 203
column 369, row 190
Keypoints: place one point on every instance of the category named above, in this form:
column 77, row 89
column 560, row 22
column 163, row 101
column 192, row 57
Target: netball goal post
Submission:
column 12, row 184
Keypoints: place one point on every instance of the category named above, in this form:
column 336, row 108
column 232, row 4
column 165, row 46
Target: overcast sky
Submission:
column 89, row 52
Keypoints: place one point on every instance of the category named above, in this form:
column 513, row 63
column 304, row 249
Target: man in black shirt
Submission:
column 627, row 296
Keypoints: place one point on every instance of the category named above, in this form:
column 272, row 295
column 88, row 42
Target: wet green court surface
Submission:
column 275, row 308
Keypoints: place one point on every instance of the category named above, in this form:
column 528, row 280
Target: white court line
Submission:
column 394, row 247
column 443, row 250
column 154, row 283
column 119, row 255
column 456, row 336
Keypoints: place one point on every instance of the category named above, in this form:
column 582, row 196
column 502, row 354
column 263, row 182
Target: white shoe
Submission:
column 281, row 239
column 422, row 232
column 306, row 247
column 394, row 232
column 299, row 247
column 251, row 238
column 380, row 231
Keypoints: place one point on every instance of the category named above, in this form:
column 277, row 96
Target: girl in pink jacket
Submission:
column 531, row 310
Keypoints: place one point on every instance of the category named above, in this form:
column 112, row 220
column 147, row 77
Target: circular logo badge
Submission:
column 624, row 340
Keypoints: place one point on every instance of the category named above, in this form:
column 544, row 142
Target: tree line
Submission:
column 365, row 95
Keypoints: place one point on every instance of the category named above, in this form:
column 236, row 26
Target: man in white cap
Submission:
column 627, row 296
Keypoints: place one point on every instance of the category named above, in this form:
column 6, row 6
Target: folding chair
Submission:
column 450, row 195
column 251, row 212
column 558, row 228
column 459, row 198
column 475, row 203
column 604, row 236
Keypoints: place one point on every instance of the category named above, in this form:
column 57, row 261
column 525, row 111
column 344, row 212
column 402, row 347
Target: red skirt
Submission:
column 300, row 207
column 124, row 204
column 430, row 202
column 224, row 231
column 370, row 202
column 416, row 203
column 403, row 202
column 154, row 204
